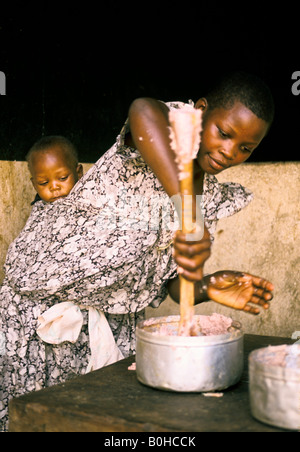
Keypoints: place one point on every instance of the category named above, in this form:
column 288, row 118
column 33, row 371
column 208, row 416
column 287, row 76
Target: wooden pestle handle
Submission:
column 187, row 288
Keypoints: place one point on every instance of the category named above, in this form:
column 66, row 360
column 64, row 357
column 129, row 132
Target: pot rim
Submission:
column 190, row 341
column 272, row 370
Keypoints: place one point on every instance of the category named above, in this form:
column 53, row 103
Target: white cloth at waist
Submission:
column 63, row 322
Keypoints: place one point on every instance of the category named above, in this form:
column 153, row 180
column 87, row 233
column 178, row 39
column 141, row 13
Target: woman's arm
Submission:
column 149, row 127
column 148, row 120
column 200, row 290
column 236, row 290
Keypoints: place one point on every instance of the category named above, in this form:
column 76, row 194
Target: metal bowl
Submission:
column 275, row 387
column 187, row 364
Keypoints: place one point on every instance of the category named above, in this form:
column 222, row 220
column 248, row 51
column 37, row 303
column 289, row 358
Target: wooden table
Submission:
column 112, row 400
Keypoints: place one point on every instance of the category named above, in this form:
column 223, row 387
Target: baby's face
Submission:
column 53, row 174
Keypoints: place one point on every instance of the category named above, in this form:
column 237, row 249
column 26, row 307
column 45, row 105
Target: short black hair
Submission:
column 246, row 88
column 47, row 142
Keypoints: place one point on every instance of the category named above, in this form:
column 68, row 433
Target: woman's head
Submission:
column 237, row 115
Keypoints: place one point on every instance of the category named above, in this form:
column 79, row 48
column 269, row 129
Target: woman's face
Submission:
column 228, row 137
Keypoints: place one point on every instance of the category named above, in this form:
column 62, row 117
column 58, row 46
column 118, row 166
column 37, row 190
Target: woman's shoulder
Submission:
column 224, row 199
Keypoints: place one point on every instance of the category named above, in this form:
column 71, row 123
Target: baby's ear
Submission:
column 32, row 181
column 79, row 171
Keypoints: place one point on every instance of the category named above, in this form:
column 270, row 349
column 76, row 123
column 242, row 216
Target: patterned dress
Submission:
column 107, row 245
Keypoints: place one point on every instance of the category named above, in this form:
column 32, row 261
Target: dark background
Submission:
column 73, row 70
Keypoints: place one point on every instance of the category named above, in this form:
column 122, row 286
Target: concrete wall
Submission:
column 16, row 194
column 263, row 239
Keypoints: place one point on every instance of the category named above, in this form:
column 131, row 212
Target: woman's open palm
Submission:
column 240, row 291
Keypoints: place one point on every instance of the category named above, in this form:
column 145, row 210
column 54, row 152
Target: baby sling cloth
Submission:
column 63, row 322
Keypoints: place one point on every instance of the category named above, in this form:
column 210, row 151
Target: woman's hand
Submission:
column 191, row 255
column 240, row 291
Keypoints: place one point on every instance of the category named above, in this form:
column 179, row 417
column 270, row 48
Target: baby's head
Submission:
column 54, row 168
column 237, row 115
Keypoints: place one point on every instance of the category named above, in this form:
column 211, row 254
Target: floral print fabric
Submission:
column 106, row 245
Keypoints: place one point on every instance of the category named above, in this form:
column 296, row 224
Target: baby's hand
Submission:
column 236, row 290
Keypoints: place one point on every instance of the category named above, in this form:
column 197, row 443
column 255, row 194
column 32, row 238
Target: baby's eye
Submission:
column 43, row 183
column 64, row 178
column 247, row 150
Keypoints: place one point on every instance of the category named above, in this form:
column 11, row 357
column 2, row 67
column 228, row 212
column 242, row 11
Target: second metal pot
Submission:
column 275, row 388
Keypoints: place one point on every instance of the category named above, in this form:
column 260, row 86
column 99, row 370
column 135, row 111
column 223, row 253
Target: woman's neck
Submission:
column 198, row 178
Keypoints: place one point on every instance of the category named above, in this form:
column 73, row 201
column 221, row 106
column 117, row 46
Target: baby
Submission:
column 54, row 168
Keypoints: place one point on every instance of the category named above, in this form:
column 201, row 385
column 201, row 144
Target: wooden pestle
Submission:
column 185, row 128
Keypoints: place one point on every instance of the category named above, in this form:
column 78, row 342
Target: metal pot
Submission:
column 187, row 364
column 275, row 389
